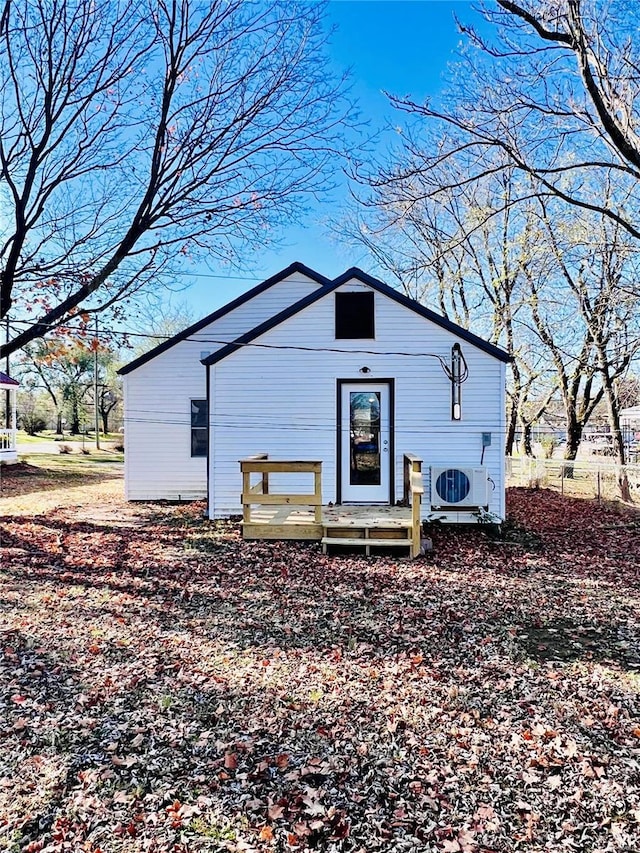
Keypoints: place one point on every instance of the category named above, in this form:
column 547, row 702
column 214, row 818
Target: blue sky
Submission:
column 401, row 46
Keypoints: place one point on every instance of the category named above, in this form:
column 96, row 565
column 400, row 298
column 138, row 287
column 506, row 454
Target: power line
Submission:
column 286, row 347
column 201, row 340
column 328, row 426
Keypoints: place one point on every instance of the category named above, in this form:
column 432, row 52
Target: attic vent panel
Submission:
column 355, row 316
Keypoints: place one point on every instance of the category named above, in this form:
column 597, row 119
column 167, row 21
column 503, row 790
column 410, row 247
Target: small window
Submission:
column 355, row 315
column 199, row 428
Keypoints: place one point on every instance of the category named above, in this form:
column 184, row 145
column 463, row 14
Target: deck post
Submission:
column 406, row 471
column 317, row 488
column 246, row 483
column 415, row 524
column 413, row 490
column 246, row 486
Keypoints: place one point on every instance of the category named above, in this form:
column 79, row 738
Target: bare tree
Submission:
column 553, row 93
column 594, row 261
column 33, row 368
column 132, row 135
column 64, row 369
column 154, row 320
column 551, row 97
column 464, row 249
column 551, row 285
column 109, row 385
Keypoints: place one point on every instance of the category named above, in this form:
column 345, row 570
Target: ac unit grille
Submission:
column 453, row 486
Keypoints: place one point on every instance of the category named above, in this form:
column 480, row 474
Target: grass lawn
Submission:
column 54, row 437
column 43, row 481
column 167, row 686
column 24, row 438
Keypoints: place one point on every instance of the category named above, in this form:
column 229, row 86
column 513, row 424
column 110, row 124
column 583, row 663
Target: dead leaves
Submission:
column 260, row 696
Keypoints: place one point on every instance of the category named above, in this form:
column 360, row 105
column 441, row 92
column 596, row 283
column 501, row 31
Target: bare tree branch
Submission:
column 556, row 90
column 130, row 134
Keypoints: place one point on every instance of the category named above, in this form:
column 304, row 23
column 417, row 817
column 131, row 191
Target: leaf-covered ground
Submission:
column 166, row 686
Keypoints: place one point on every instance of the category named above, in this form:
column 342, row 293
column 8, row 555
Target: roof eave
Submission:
column 295, row 267
column 427, row 313
column 378, row 285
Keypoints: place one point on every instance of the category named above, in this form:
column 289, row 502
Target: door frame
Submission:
column 390, row 383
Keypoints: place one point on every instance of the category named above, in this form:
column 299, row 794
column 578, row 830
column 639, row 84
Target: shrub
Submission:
column 33, row 422
column 65, row 448
column 548, row 444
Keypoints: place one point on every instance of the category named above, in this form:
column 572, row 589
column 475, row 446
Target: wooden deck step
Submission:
column 366, row 536
column 292, row 531
column 379, row 543
column 366, row 532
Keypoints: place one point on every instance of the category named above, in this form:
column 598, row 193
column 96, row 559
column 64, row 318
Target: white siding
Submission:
column 283, row 402
column 157, row 423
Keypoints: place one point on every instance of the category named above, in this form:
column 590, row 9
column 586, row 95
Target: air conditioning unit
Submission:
column 459, row 487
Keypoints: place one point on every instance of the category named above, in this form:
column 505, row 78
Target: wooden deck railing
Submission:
column 413, row 491
column 259, row 492
column 7, row 439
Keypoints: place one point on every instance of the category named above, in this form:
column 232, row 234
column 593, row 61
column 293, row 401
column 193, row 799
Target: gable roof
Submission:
column 7, row 380
column 296, row 267
column 376, row 284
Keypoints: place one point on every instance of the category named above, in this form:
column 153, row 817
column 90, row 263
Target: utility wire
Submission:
column 222, row 343
column 417, row 429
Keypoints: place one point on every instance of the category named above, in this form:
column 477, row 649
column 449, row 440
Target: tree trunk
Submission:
column 618, row 443
column 59, row 427
column 574, row 437
column 104, row 414
column 525, row 442
column 74, row 427
column 613, row 416
column 511, row 430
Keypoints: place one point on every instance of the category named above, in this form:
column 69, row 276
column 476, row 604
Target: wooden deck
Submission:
column 291, row 522
column 302, row 517
column 361, row 527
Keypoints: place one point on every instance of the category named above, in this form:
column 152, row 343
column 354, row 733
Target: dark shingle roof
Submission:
column 7, row 380
column 376, row 284
column 210, row 318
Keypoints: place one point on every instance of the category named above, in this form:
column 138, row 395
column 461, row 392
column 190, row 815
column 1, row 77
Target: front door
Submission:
column 365, row 442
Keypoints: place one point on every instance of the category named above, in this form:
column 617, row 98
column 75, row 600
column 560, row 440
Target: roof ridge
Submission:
column 371, row 281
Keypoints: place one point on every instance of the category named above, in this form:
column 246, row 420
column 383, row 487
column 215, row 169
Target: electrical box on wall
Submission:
column 486, row 439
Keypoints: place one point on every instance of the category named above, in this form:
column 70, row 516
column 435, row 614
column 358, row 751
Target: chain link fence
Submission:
column 584, row 478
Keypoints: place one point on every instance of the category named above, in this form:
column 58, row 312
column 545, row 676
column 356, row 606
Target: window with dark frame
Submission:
column 355, row 316
column 199, row 429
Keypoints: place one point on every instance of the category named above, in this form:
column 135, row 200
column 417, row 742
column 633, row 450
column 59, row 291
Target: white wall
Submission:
column 158, row 394
column 283, row 402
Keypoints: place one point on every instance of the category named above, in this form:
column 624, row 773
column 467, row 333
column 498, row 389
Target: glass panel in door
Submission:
column 364, row 436
column 365, row 443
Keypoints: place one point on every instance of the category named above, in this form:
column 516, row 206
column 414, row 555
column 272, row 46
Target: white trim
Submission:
column 503, row 441
column 125, row 437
